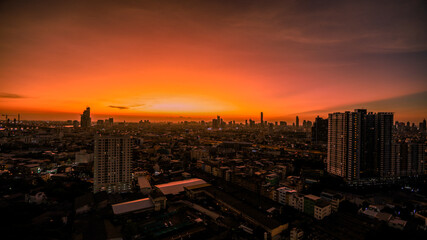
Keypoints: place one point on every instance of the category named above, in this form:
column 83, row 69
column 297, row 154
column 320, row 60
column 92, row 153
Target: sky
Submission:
column 192, row 60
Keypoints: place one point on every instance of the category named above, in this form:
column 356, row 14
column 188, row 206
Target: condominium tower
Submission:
column 359, row 143
column 112, row 166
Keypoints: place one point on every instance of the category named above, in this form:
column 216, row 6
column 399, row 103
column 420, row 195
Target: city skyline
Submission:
column 201, row 120
column 191, row 60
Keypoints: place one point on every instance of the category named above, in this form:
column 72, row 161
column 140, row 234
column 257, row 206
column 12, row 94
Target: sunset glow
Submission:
column 146, row 60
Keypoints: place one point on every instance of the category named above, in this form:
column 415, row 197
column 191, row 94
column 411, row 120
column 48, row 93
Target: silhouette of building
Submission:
column 85, row 120
column 297, row 122
column 262, row 118
column 319, row 131
column 422, row 126
column 112, row 164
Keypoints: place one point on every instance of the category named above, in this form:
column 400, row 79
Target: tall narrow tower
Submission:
column 383, row 137
column 262, row 118
column 85, row 120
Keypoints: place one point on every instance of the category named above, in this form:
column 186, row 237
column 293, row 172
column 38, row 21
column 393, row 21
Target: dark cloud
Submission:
column 407, row 104
column 10, row 95
column 126, row 107
column 119, row 107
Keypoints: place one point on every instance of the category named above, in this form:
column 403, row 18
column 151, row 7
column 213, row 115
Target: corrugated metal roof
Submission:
column 178, row 186
column 132, row 206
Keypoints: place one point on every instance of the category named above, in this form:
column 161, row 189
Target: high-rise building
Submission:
column 336, row 162
column 85, row 120
column 360, row 144
column 383, row 142
column 408, row 158
column 423, row 126
column 251, row 123
column 262, row 118
column 297, row 122
column 112, row 164
column 319, row 131
column 344, row 144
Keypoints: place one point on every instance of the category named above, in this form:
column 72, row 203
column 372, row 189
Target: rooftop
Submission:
column 131, row 206
column 178, row 186
column 143, row 182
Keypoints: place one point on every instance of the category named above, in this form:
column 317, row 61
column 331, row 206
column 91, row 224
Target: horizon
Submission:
column 290, row 119
column 152, row 60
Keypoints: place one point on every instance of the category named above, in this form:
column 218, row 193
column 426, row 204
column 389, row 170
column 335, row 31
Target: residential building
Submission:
column 112, row 157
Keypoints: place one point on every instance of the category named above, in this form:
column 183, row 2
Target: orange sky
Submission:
column 196, row 59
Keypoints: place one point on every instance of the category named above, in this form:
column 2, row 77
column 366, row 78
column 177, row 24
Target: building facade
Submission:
column 112, row 164
column 360, row 143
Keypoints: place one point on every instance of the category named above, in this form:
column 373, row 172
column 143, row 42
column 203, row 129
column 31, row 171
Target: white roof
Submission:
column 143, row 182
column 131, row 206
column 178, row 186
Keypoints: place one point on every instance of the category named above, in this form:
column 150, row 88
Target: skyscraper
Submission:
column 112, row 164
column 85, row 120
column 262, row 118
column 297, row 122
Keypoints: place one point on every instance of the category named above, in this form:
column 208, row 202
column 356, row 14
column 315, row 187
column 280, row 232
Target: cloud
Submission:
column 119, row 107
column 10, row 95
column 410, row 104
column 126, row 107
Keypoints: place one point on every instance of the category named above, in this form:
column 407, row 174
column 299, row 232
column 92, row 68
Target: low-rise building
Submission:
column 322, row 209
column 296, row 234
column 284, row 194
column 309, row 202
column 144, row 185
column 296, row 201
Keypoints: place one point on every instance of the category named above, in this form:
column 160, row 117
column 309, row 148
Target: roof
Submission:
column 32, row 165
column 322, row 203
column 178, row 186
column 397, row 221
column 198, row 186
column 285, row 189
column 370, row 213
column 143, row 182
column 384, row 216
column 312, row 197
column 132, row 206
